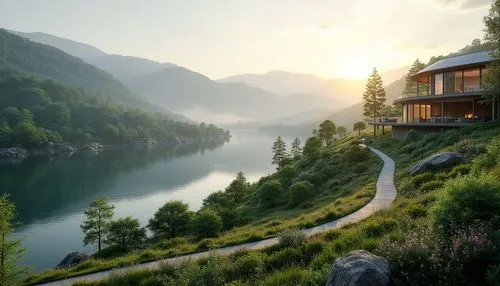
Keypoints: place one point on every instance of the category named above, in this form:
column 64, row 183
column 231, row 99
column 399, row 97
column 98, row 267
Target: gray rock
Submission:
column 13, row 154
column 72, row 259
column 359, row 268
column 59, row 148
column 438, row 161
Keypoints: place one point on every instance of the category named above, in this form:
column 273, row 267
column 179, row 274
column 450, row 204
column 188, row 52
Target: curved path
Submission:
column 385, row 194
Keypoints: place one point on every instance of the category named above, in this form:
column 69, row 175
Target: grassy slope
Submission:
column 337, row 193
column 309, row 263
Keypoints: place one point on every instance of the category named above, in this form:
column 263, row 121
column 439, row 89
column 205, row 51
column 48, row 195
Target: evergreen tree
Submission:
column 491, row 84
column 279, row 152
column 10, row 249
column 358, row 126
column 327, row 131
column 296, row 149
column 341, row 131
column 95, row 226
column 374, row 97
column 411, row 85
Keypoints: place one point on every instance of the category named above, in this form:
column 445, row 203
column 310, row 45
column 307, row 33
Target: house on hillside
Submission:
column 448, row 95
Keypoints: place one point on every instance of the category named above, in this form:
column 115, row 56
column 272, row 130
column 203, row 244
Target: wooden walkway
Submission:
column 384, row 196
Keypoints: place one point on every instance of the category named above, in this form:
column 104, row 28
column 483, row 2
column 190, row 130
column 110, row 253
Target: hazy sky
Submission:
column 329, row 38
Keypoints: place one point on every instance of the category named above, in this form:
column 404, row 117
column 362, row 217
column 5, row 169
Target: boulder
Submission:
column 13, row 154
column 59, row 148
column 72, row 259
column 359, row 268
column 438, row 161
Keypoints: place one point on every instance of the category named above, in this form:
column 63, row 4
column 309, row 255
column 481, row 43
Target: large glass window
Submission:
column 472, row 80
column 458, row 82
column 449, row 82
column 438, row 83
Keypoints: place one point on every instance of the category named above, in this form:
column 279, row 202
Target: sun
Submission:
column 357, row 69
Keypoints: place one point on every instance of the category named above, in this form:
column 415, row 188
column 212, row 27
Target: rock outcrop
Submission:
column 72, row 259
column 359, row 268
column 438, row 161
column 13, row 155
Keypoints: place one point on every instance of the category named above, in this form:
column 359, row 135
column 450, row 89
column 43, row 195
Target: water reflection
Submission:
column 50, row 196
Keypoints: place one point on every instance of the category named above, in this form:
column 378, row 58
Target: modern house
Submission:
column 448, row 95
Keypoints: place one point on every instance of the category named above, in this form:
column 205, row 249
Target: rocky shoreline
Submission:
column 15, row 155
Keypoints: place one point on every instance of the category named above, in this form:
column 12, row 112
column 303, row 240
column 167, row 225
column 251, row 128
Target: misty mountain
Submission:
column 190, row 93
column 283, row 83
column 279, row 82
column 344, row 117
column 46, row 62
column 121, row 67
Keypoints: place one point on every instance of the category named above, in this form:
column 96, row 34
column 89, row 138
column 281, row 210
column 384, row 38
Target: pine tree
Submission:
column 374, row 97
column 10, row 249
column 95, row 226
column 411, row 85
column 296, row 149
column 279, row 151
column 491, row 84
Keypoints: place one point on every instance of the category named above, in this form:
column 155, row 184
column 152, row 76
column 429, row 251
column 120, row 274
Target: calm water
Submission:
column 51, row 195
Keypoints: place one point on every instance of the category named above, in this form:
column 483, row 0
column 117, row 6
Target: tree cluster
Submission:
column 33, row 112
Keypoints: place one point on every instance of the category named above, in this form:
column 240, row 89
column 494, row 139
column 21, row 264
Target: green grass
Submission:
column 340, row 194
column 309, row 264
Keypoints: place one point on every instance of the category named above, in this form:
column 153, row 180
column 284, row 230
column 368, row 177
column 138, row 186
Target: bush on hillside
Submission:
column 467, row 201
column 269, row 193
column 300, row 192
column 207, row 223
column 292, row 238
column 356, row 154
column 412, row 136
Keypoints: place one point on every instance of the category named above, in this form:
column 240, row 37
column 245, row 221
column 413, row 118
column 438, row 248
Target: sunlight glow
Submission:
column 357, row 69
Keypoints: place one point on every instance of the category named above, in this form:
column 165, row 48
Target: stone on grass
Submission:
column 72, row 259
column 437, row 161
column 359, row 268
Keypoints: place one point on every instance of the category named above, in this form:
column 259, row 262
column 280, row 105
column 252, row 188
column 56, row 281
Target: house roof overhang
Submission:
column 472, row 60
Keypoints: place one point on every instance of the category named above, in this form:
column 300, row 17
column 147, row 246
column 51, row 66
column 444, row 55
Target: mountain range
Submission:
column 268, row 97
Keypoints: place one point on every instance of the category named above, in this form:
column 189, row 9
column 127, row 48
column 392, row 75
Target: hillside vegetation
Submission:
column 441, row 230
column 46, row 62
column 33, row 111
column 321, row 184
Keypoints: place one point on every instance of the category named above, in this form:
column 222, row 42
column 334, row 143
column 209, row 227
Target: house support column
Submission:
column 383, row 130
column 473, row 109
column 442, row 111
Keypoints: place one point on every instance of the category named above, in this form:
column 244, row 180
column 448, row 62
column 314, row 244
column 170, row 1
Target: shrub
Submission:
column 412, row 136
column 250, row 265
column 452, row 137
column 407, row 187
column 206, row 243
column 292, row 238
column 419, row 179
column 355, row 154
column 294, row 276
column 300, row 192
column 171, row 243
column 379, row 227
column 466, row 201
column 171, row 220
column 207, row 223
column 413, row 260
column 285, row 258
column 269, row 193
column 469, row 149
column 431, row 185
column 360, row 168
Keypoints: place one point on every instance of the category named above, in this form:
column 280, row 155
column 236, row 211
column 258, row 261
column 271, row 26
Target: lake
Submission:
column 51, row 194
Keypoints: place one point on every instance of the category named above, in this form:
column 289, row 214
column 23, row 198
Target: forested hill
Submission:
column 18, row 53
column 34, row 111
